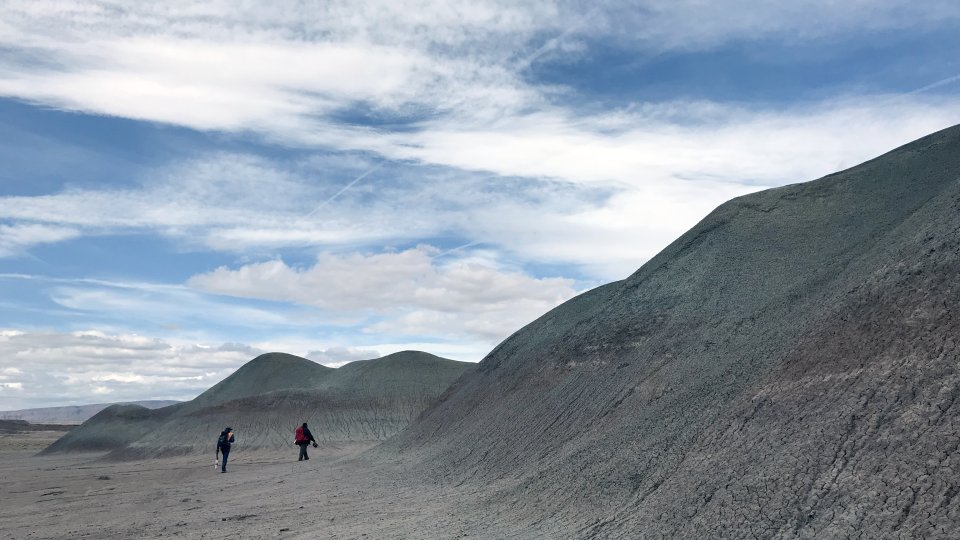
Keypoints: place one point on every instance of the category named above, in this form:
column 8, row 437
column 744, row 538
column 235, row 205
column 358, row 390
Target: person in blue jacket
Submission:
column 223, row 446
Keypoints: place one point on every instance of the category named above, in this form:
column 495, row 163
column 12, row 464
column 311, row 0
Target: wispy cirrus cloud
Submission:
column 703, row 142
column 16, row 238
column 228, row 69
column 436, row 84
column 159, row 308
column 452, row 74
column 612, row 191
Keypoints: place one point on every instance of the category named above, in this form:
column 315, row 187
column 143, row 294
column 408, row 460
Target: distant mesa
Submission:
column 73, row 414
column 359, row 404
column 8, row 427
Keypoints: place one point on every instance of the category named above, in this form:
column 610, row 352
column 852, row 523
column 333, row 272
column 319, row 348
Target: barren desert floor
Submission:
column 261, row 496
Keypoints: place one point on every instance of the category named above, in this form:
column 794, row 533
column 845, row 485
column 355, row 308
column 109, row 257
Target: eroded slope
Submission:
column 787, row 368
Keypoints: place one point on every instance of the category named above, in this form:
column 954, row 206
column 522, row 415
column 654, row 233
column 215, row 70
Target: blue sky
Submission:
column 185, row 186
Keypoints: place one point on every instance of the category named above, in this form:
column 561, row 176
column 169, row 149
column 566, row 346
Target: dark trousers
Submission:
column 303, row 451
column 226, row 454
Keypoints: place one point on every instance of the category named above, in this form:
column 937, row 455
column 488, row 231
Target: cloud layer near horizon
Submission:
column 469, row 298
column 72, row 368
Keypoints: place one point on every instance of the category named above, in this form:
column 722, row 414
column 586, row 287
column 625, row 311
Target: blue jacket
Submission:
column 224, row 442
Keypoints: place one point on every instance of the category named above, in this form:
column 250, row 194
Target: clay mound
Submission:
column 356, row 405
column 404, row 375
column 118, row 426
column 787, row 368
column 265, row 373
column 113, row 427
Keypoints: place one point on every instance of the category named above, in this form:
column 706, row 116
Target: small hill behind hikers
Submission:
column 355, row 405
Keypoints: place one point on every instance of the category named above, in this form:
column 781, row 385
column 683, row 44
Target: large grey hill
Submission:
column 788, row 368
column 350, row 407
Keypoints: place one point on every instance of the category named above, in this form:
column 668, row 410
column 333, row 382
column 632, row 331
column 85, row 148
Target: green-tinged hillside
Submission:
column 788, row 368
column 359, row 403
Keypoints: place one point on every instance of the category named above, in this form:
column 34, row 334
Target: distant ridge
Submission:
column 73, row 414
column 788, row 368
column 360, row 403
column 22, row 426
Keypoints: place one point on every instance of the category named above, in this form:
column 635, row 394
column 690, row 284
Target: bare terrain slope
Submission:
column 358, row 404
column 787, row 368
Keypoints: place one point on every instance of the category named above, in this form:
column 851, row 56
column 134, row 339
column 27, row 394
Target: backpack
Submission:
column 222, row 441
column 298, row 435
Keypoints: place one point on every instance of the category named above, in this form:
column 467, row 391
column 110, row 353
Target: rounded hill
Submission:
column 265, row 373
column 356, row 405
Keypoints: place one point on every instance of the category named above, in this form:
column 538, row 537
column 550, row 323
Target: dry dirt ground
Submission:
column 29, row 442
column 261, row 496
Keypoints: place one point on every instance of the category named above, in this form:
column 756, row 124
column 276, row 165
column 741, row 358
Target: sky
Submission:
column 185, row 186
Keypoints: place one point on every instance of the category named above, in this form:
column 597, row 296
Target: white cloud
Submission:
column 432, row 299
column 57, row 368
column 454, row 73
column 52, row 368
column 202, row 84
column 15, row 239
column 164, row 305
column 287, row 72
column 603, row 193
column 338, row 356
column 330, row 333
column 9, row 371
column 226, row 68
column 167, row 310
column 655, row 146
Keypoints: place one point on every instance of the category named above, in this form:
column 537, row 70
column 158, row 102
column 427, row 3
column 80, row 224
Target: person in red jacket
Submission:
column 303, row 438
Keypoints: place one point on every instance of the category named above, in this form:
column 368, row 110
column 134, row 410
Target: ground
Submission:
column 15, row 443
column 262, row 496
